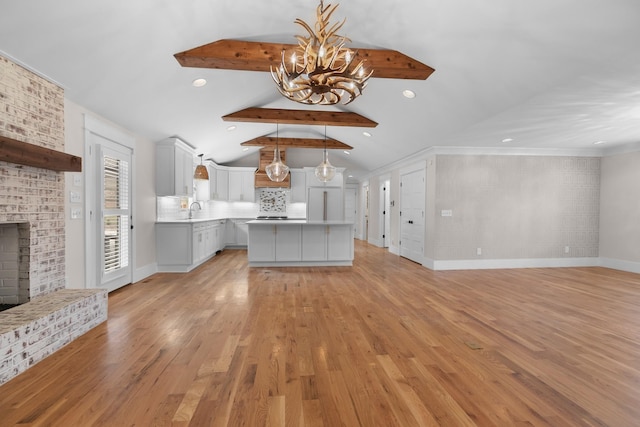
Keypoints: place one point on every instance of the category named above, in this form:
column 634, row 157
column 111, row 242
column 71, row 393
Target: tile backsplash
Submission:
column 268, row 202
column 273, row 201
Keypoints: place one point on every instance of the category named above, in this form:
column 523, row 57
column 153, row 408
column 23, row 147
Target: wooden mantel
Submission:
column 23, row 153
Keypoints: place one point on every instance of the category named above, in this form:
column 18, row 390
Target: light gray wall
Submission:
column 394, row 211
column 375, row 204
column 620, row 207
column 516, row 207
column 430, row 209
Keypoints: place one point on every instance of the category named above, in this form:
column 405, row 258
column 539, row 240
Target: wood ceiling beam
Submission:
column 23, row 153
column 268, row 141
column 299, row 117
column 230, row 54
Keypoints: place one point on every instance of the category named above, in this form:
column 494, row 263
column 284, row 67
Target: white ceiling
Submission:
column 550, row 74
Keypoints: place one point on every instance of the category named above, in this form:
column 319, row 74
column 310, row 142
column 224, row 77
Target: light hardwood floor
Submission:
column 384, row 343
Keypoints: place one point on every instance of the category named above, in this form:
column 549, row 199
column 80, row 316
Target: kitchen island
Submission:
column 293, row 243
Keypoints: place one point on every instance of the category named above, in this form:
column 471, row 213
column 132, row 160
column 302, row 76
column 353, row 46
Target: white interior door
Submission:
column 114, row 220
column 412, row 202
column 385, row 214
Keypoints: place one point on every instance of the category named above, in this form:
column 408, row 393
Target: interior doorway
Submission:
column 412, row 220
column 385, row 213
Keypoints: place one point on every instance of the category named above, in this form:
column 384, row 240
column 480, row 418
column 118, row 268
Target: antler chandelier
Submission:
column 321, row 71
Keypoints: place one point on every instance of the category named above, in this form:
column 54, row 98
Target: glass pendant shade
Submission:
column 276, row 170
column 325, row 171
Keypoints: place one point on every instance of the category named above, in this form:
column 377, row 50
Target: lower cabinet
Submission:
column 327, row 242
column 271, row 242
column 236, row 232
column 181, row 247
column 300, row 244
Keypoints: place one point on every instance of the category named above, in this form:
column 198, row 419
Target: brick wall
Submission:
column 32, row 110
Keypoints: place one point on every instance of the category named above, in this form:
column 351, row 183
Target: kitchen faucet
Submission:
column 191, row 211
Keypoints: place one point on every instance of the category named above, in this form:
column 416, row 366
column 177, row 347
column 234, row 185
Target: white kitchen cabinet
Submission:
column 288, row 240
column 327, row 201
column 241, row 184
column 174, row 168
column 298, row 243
column 339, row 242
column 213, row 190
column 314, row 242
column 218, row 235
column 273, row 242
column 174, row 246
column 327, row 242
column 222, row 184
column 298, row 186
column 199, row 244
column 263, row 243
column 236, row 232
column 181, row 247
column 242, row 232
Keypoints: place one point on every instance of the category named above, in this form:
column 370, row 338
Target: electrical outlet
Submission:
column 479, row 251
column 446, row 212
column 76, row 213
column 566, row 249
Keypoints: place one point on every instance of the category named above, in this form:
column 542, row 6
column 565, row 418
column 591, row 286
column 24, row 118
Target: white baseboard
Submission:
column 144, row 272
column 429, row 263
column 481, row 264
column 619, row 264
column 394, row 249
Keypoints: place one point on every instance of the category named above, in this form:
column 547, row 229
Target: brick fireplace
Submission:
column 32, row 207
column 32, row 110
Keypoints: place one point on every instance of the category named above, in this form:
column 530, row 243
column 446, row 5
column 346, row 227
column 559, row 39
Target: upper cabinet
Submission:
column 298, row 186
column 241, row 184
column 219, row 182
column 174, row 168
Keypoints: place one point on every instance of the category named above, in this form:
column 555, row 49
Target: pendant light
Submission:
column 201, row 171
column 276, row 170
column 325, row 171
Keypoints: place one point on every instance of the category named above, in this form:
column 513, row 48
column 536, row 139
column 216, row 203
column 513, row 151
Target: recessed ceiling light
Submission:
column 507, row 140
column 232, row 127
column 346, row 152
column 408, row 93
column 350, row 176
column 199, row 82
column 245, row 148
column 598, row 142
column 367, row 134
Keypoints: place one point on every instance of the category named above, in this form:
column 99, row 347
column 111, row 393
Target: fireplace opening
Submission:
column 14, row 264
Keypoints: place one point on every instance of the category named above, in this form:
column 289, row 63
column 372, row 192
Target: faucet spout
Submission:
column 191, row 210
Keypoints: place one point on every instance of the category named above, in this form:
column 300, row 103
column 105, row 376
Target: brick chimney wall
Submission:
column 32, row 110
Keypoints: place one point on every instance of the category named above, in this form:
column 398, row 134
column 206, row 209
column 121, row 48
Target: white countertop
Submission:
column 297, row 221
column 188, row 221
column 255, row 221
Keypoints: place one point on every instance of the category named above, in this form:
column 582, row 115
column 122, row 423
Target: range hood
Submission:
column 261, row 178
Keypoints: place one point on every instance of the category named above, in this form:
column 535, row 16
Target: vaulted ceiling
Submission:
column 546, row 74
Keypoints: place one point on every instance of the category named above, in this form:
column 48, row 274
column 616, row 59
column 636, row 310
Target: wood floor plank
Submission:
column 383, row 343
